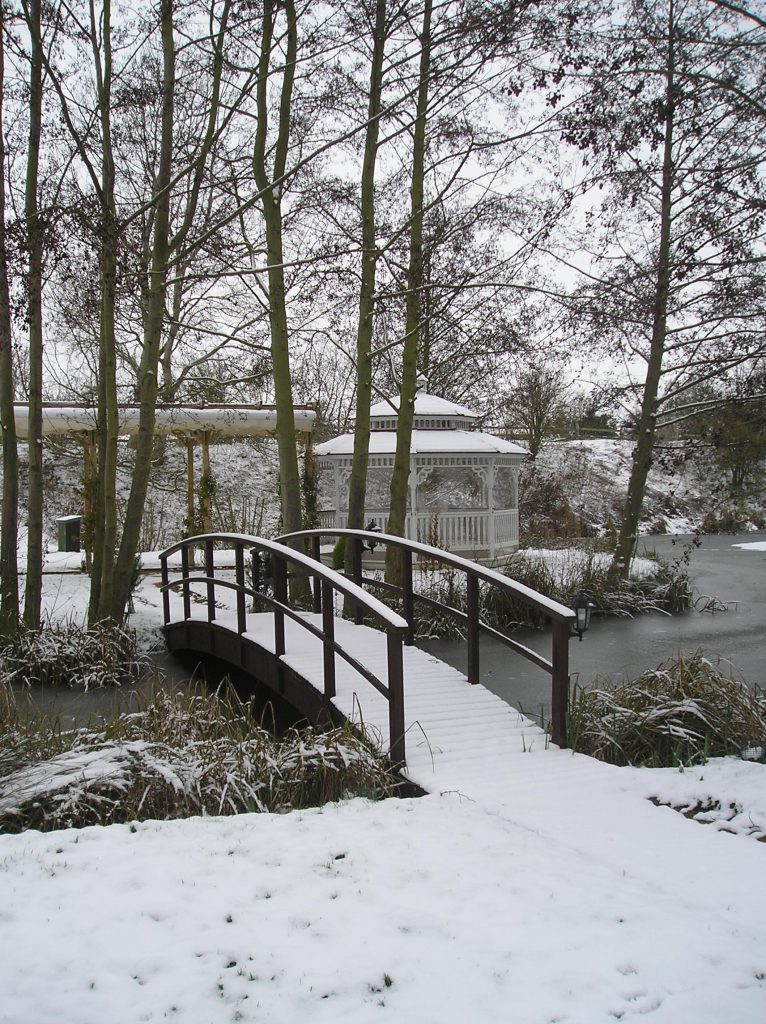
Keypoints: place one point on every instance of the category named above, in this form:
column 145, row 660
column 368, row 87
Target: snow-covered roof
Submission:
column 425, row 405
column 229, row 421
column 383, row 442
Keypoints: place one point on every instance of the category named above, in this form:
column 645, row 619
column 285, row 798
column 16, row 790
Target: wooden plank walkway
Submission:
column 457, row 734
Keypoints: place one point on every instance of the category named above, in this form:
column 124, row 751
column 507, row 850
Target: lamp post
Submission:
column 372, row 527
column 582, row 609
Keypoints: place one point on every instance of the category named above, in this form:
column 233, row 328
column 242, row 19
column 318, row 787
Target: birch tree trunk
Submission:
column 153, row 322
column 165, row 245
column 105, row 497
column 270, row 187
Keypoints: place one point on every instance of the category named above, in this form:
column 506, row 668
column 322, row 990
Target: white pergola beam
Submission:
column 226, row 421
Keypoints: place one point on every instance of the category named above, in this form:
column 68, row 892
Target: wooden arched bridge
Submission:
column 289, row 636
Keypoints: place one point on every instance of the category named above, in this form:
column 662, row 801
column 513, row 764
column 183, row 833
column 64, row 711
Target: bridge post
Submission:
column 395, row 698
column 239, row 555
column 279, row 567
column 473, row 627
column 559, row 683
column 210, row 573
column 356, row 575
column 328, row 644
column 185, row 581
column 165, row 591
column 316, row 554
column 408, row 601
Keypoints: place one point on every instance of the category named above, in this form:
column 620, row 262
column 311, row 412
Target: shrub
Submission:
column 181, row 755
column 67, row 654
column 339, row 554
column 576, row 571
column 682, row 712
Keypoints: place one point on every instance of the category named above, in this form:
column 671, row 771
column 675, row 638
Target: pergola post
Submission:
column 204, row 496
column 89, row 475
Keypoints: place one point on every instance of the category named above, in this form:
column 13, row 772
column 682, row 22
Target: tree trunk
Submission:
column 9, row 580
column 153, row 323
column 401, row 470
column 105, row 488
column 647, row 423
column 360, row 460
column 34, row 580
column 270, row 188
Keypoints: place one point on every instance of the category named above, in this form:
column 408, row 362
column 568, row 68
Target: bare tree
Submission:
column 676, row 288
column 535, row 402
column 9, row 597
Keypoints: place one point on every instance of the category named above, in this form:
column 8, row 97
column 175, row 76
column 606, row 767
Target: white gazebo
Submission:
column 463, row 487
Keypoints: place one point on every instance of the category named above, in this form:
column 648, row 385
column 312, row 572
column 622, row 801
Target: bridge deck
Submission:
column 457, row 734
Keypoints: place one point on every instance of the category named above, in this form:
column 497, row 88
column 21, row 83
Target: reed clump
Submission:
column 683, row 712
column 68, row 654
column 558, row 574
column 180, row 755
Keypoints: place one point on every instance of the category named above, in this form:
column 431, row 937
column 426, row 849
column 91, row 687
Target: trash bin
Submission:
column 69, row 532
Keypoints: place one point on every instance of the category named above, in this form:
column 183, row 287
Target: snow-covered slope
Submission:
column 682, row 492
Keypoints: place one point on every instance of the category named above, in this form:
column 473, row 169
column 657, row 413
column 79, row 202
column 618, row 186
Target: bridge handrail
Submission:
column 554, row 609
column 326, row 581
column 561, row 617
column 338, row 580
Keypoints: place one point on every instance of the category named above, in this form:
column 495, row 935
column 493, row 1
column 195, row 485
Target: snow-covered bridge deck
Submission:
column 454, row 731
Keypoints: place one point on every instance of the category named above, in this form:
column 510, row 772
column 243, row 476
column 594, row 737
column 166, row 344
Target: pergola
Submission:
column 190, row 424
column 463, row 485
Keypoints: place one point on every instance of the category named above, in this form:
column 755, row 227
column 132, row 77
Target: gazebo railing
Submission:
column 461, row 529
column 560, row 617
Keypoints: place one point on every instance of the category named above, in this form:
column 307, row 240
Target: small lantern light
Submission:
column 372, row 527
column 582, row 609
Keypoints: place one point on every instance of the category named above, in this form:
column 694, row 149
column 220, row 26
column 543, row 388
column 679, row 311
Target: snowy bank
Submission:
column 530, row 905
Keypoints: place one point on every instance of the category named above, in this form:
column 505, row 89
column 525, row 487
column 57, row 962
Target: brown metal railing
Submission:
column 560, row 617
column 326, row 583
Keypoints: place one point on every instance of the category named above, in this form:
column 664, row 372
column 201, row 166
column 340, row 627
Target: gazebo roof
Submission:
column 441, row 442
column 425, row 405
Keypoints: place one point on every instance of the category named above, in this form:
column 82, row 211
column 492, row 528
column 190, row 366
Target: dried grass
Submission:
column 181, row 755
column 683, row 712
column 667, row 589
column 67, row 654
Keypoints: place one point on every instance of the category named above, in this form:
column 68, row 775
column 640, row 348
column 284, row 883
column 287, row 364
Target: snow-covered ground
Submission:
column 558, row 891
column 534, row 904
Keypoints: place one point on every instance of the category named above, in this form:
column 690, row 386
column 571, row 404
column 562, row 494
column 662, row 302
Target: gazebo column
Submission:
column 190, row 517
column 336, row 485
column 515, row 502
column 491, row 507
column 411, row 521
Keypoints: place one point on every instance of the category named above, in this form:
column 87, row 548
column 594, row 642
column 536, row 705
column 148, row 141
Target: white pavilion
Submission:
column 463, row 486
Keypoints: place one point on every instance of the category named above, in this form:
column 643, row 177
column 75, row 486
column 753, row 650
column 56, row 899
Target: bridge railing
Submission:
column 326, row 583
column 560, row 617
